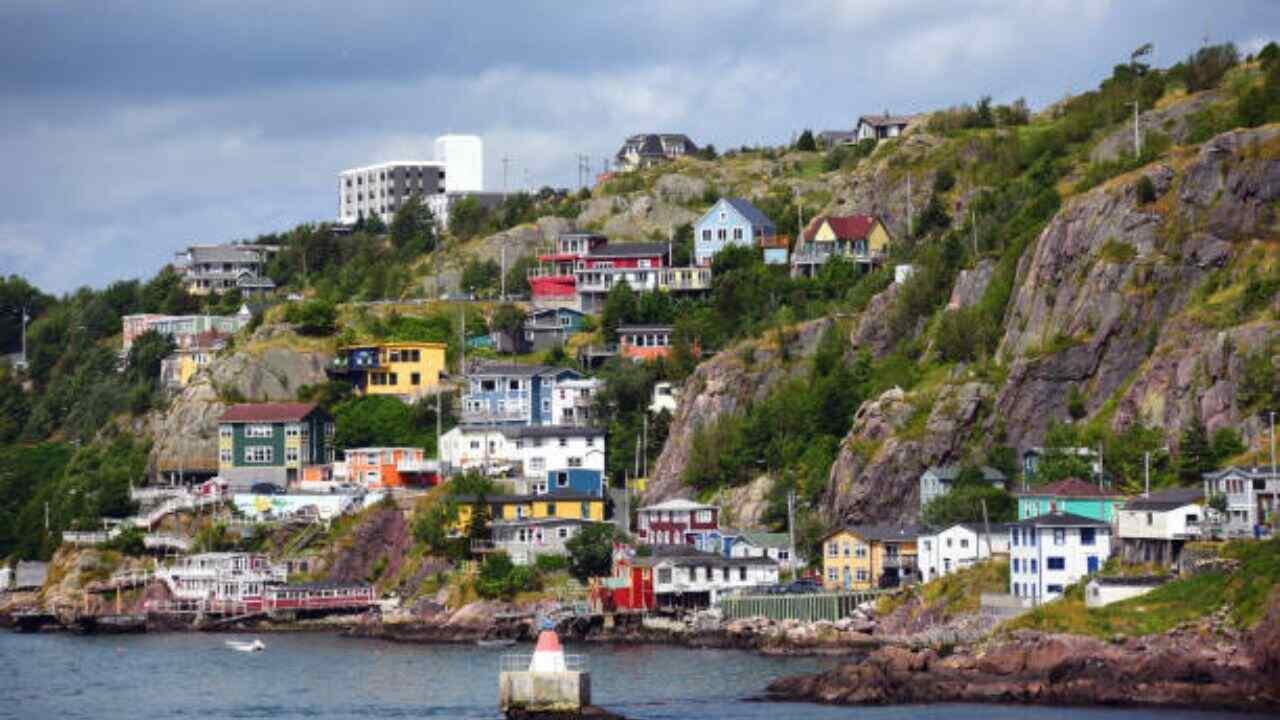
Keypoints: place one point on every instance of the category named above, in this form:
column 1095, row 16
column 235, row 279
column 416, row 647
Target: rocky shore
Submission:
column 1199, row 665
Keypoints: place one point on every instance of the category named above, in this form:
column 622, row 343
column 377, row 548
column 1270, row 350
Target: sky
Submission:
column 134, row 129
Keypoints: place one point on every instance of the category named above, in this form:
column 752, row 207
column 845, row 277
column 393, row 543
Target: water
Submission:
column 151, row 677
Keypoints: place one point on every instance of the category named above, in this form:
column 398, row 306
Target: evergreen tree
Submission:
column 806, row 142
column 1195, row 454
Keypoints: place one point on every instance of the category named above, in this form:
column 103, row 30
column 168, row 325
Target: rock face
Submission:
column 679, row 188
column 376, row 548
column 185, row 435
column 1179, row 669
column 1172, row 120
column 873, row 333
column 636, row 217
column 1106, row 274
column 970, row 285
column 722, row 385
column 876, row 474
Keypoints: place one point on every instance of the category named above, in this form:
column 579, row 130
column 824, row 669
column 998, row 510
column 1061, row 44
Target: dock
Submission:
column 805, row 608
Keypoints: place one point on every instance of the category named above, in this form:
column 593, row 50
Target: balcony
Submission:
column 685, row 279
column 817, row 254
column 487, row 415
column 903, row 562
column 418, row 466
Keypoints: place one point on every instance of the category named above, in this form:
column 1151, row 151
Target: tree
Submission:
column 1205, row 67
column 413, row 229
column 481, row 277
column 1195, row 455
column 467, row 218
column 964, row 504
column 806, row 142
column 145, row 354
column 376, row 421
column 508, row 319
column 621, row 306
column 1226, row 444
column 591, row 551
column 313, row 317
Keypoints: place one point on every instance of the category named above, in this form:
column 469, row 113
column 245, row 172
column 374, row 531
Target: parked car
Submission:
column 804, row 585
column 266, row 489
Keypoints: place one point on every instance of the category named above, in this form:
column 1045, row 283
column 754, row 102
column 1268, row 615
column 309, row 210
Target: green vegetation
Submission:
column 591, row 550
column 965, row 501
column 382, row 421
column 1244, row 591
column 954, row 594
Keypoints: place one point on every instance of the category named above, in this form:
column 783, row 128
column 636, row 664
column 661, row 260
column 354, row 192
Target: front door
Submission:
column 1093, row 564
column 848, row 579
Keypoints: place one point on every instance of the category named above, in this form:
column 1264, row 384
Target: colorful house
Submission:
column 520, row 394
column 881, row 127
column 1069, row 495
column 860, row 239
column 731, row 221
column 185, row 330
column 572, row 481
column 554, row 280
column 178, row 369
column 1154, row 528
column 644, row 342
column 676, row 522
column 405, row 370
column 638, row 264
column 551, row 327
column 525, row 540
column 776, row 249
column 272, row 442
column 685, row 577
column 865, row 557
column 526, row 451
column 513, row 508
column 387, row 467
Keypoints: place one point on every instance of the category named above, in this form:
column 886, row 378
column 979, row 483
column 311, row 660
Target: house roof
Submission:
column 646, row 328
column 1060, row 519
column 653, row 144
column 517, row 431
column 882, row 532
column 517, row 370
column 1169, row 499
column 267, row 412
column 951, row 472
column 628, row 249
column 884, row 120
column 846, row 227
column 688, row 555
column 677, row 504
column 1068, row 487
column 1253, row 473
column 767, row 539
column 745, row 208
column 224, row 253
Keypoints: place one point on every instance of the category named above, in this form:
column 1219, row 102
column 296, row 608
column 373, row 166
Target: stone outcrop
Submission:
column 970, row 285
column 1107, row 273
column 185, row 434
column 1173, row 120
column 375, row 549
column 873, row 332
column 1191, row 667
column 876, row 474
column 679, row 188
column 722, row 385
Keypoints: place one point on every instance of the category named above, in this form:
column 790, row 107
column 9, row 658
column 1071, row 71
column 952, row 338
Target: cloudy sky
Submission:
column 131, row 129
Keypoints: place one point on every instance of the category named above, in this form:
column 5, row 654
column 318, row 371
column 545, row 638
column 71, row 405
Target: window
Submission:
column 737, row 233
column 1150, row 518
column 259, row 454
column 1017, row 589
column 564, row 442
column 1017, row 565
column 722, row 234
column 562, row 533
column 291, row 455
column 1059, row 536
column 862, row 575
column 1035, row 565
column 703, row 516
column 513, row 384
column 584, row 510
column 831, row 574
column 562, row 479
column 1055, row 563
column 537, row 464
column 226, row 432
column 575, row 462
column 292, row 430
column 1015, row 537
column 224, row 456
column 1053, row 588
column 948, row 542
column 964, row 542
column 551, row 509
column 395, row 379
column 591, row 442
column 258, row 430
column 833, row 550
column 1088, row 536
column 415, row 378
column 664, row 576
column 860, row 551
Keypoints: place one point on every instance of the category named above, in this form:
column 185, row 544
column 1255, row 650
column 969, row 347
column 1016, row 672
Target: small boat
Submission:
column 496, row 642
column 255, row 646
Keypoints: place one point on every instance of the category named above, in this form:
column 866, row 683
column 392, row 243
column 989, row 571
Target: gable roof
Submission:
column 884, row 120
column 881, row 532
column 951, row 472
column 1068, row 487
column 654, row 144
column 628, row 249
column 1060, row 519
column 518, row 370
column 268, row 412
column 767, row 539
column 1252, row 473
column 846, row 227
column 745, row 208
column 677, row 504
column 225, row 253
column 1169, row 499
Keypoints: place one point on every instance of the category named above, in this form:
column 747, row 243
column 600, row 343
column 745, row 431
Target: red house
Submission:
column 628, row 589
column 554, row 279
column 677, row 522
column 644, row 342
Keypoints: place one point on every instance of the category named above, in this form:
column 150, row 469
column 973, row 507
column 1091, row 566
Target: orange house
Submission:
column 384, row 467
column 644, row 342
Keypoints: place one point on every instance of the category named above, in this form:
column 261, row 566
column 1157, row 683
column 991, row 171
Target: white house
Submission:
column 532, row 450
column 666, row 396
column 1154, row 528
column 959, row 546
column 573, row 401
column 525, row 540
column 775, row 546
column 686, row 577
column 1102, row 591
column 1051, row 551
column 1253, row 498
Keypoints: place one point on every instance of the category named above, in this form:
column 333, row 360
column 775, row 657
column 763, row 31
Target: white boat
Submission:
column 255, row 646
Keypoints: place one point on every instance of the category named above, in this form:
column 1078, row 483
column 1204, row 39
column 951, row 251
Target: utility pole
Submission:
column 799, row 214
column 644, row 452
column 986, row 526
column 46, row 516
column 438, row 453
column 1146, row 472
column 791, row 525
column 505, row 161
column 1273, row 444
column 26, row 318
column 502, row 275
column 1137, row 136
column 637, row 454
column 462, row 330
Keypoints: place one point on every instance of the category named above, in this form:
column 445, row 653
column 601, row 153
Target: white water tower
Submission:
column 463, row 156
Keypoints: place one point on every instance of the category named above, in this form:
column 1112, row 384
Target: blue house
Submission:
column 575, row 481
column 731, row 221
column 513, row 394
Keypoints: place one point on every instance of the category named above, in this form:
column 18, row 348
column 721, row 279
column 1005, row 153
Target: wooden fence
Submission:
column 806, row 608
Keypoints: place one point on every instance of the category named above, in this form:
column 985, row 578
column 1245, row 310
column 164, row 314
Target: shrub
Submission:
column 313, row 317
column 1146, row 190
column 551, row 563
column 944, row 180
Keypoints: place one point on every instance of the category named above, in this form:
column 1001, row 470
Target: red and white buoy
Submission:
column 548, row 656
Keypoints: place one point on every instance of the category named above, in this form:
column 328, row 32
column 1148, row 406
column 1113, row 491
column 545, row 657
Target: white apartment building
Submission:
column 381, row 189
column 686, row 577
column 959, row 546
column 1051, row 551
column 531, row 450
column 573, row 401
column 463, row 155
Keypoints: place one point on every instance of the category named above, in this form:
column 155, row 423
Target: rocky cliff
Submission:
column 724, row 384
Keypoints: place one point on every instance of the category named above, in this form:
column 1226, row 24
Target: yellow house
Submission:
column 406, row 370
column 860, row 238
column 866, row 557
column 533, row 507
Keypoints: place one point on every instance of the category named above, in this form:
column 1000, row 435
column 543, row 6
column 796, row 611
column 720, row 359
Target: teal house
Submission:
column 1070, row 495
column 272, row 442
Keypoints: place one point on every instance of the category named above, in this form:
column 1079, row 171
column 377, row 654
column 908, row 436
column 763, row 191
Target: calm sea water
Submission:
column 150, row 677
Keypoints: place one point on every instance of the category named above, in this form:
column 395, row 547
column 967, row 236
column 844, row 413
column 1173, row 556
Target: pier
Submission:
column 805, row 608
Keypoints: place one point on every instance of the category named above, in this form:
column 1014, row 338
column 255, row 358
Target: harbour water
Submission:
column 324, row 676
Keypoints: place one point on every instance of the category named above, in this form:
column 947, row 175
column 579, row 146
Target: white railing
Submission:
column 520, row 663
column 70, row 537
column 144, row 494
column 506, row 414
column 153, row 541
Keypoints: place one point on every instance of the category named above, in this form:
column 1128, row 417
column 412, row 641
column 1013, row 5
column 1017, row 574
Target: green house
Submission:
column 1070, row 495
column 272, row 442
